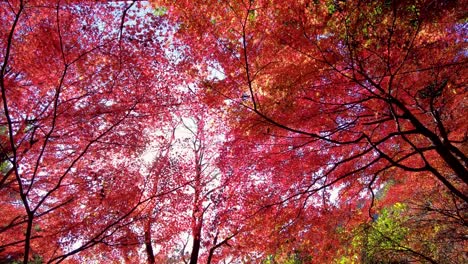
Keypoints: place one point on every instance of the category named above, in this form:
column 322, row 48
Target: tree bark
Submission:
column 196, row 244
column 148, row 245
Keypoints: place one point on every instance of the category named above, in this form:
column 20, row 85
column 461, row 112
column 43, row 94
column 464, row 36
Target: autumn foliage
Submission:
column 233, row 131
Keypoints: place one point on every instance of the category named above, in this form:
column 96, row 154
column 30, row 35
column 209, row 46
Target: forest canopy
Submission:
column 243, row 131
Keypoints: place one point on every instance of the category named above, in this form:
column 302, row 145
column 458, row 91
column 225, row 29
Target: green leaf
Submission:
column 160, row 11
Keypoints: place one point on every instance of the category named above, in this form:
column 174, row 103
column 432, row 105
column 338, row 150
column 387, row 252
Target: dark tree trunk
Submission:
column 148, row 245
column 196, row 247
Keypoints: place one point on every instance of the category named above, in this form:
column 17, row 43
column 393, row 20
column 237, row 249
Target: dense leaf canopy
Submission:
column 246, row 131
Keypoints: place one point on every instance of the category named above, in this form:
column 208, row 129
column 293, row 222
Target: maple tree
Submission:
column 430, row 231
column 205, row 217
column 80, row 84
column 317, row 131
column 204, row 184
column 285, row 58
column 344, row 97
